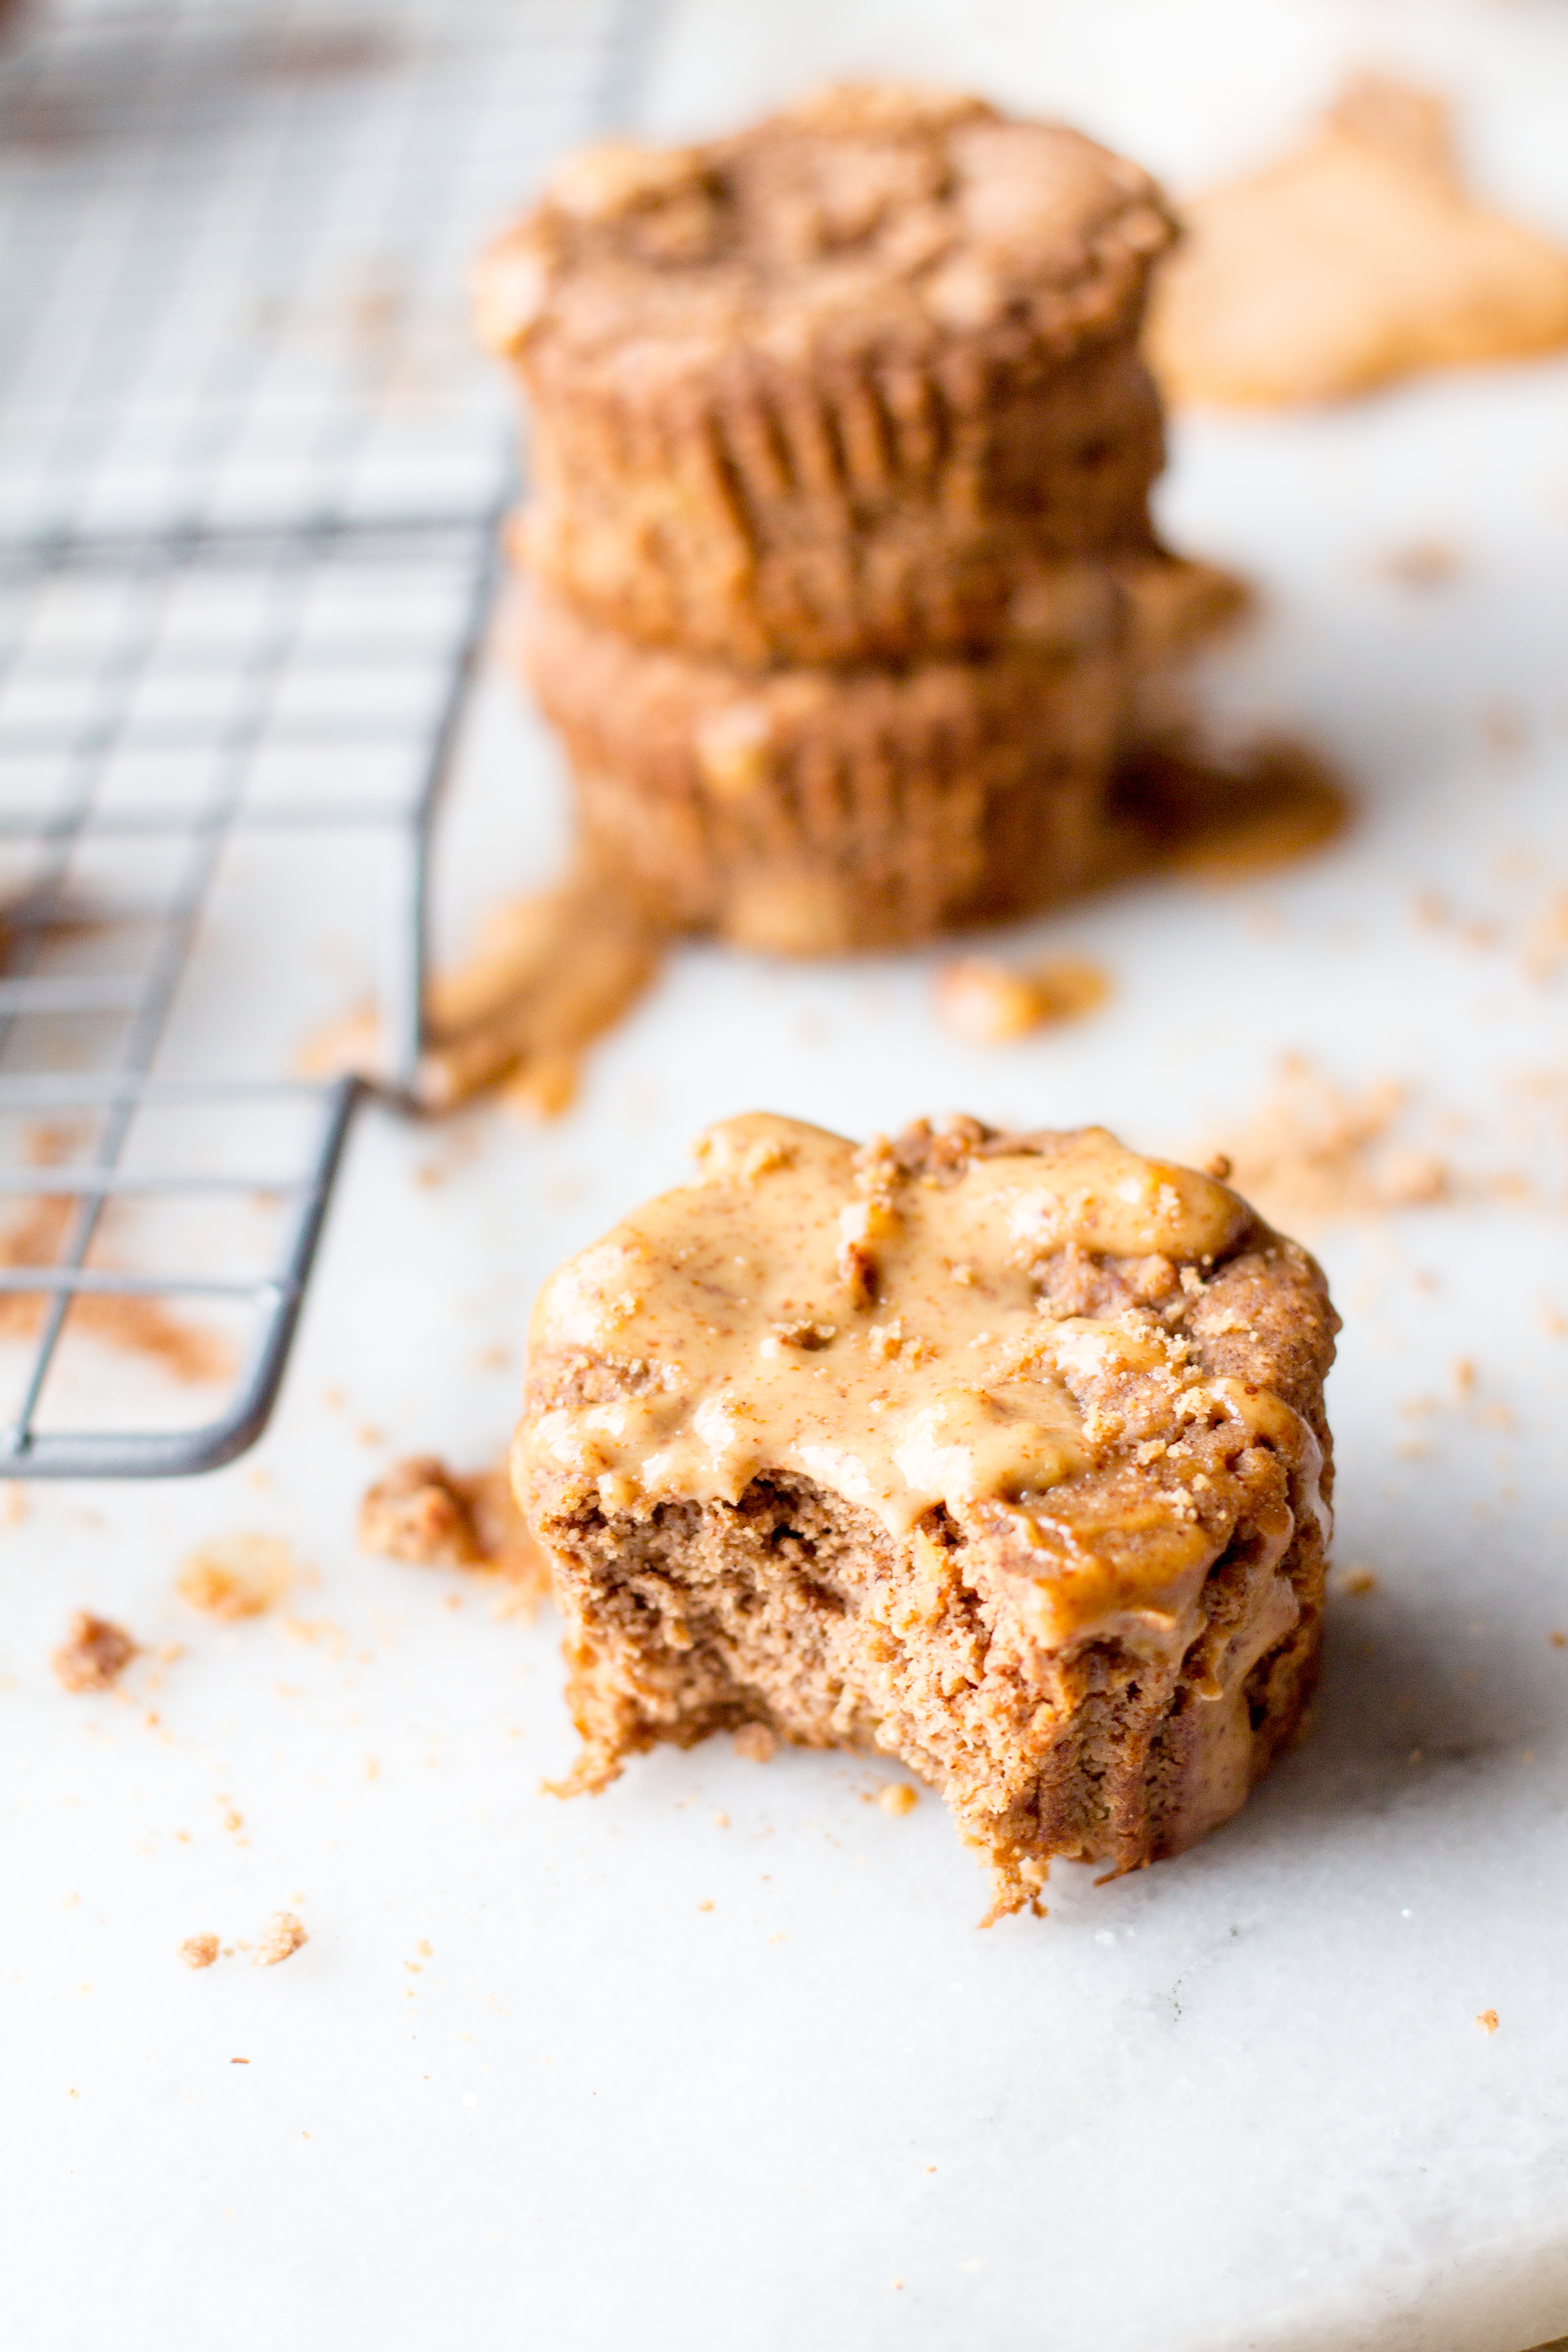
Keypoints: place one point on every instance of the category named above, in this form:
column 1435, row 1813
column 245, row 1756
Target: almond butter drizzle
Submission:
column 809, row 1307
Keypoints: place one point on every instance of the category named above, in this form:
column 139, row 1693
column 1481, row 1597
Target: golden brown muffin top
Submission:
column 1076, row 1355
column 864, row 219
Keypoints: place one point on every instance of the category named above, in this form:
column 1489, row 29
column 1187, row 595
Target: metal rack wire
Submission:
column 250, row 474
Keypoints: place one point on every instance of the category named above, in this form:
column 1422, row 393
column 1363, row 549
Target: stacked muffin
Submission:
column 842, row 449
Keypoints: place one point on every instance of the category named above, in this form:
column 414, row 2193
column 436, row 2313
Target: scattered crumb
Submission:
column 1558, row 1640
column 720, row 1820
column 95, row 1654
column 1424, row 563
column 1314, row 1152
column 1358, row 1582
column 1488, row 2020
column 280, row 1939
column 1358, row 259
column 199, row 1951
column 235, row 1576
column 756, row 1743
column 322, row 1632
column 898, row 1797
column 1434, row 913
column 417, row 1513
column 436, row 1517
column 705, row 1906
column 990, row 1003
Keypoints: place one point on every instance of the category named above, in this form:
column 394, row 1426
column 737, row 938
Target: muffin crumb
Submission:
column 235, row 1576
column 991, row 1003
column 94, row 1654
column 280, row 1938
column 417, row 1512
column 425, row 1513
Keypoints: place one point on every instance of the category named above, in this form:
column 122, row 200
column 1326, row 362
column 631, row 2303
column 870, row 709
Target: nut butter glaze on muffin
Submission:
column 1003, row 1454
column 827, row 389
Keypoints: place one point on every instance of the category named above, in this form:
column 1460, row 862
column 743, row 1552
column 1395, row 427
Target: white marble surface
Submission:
column 1241, row 2101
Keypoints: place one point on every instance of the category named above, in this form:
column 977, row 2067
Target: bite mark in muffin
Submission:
column 1041, row 1510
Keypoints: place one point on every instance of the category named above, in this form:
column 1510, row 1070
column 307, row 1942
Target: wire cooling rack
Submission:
column 250, row 473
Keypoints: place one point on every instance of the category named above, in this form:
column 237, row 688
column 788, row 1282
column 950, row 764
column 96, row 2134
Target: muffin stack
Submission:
column 842, row 449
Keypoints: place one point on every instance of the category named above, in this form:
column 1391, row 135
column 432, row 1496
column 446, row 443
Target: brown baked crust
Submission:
column 826, row 390
column 848, row 553
column 812, row 811
column 792, row 1608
